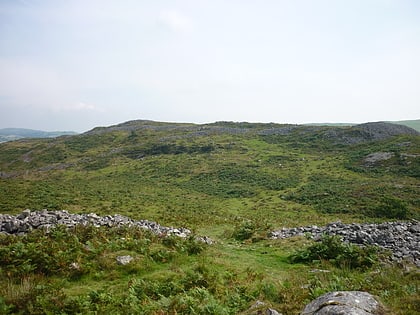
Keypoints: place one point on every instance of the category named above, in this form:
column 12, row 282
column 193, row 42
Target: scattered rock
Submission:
column 344, row 303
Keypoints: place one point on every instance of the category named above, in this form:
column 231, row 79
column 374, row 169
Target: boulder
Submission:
column 344, row 303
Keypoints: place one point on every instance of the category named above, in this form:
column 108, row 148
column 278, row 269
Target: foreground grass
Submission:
column 75, row 272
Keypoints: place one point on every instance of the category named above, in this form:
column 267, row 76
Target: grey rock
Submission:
column 271, row 311
column 344, row 303
column 29, row 220
column 376, row 157
column 260, row 308
column 124, row 260
column 24, row 214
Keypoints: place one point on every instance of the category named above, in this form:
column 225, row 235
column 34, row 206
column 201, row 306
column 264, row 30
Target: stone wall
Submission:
column 401, row 238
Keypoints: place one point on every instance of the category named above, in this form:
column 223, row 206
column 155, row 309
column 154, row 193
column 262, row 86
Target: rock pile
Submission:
column 29, row 220
column 401, row 238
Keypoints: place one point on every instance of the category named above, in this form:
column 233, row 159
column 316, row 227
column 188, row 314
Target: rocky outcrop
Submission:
column 344, row 303
column 384, row 130
column 376, row 157
column 372, row 131
column 29, row 220
column 401, row 238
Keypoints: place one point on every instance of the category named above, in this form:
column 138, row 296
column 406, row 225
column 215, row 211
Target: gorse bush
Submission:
column 339, row 253
column 392, row 208
column 255, row 230
column 244, row 231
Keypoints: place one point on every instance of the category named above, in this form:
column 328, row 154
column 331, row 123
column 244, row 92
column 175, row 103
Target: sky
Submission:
column 78, row 64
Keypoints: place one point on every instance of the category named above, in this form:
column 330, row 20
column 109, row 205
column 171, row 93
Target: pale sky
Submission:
column 77, row 64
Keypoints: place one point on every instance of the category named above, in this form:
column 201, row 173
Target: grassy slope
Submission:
column 214, row 181
column 415, row 124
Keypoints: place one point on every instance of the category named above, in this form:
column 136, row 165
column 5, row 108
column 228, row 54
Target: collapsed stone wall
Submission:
column 29, row 220
column 401, row 238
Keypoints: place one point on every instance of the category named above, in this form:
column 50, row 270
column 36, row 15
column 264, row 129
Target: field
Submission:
column 233, row 182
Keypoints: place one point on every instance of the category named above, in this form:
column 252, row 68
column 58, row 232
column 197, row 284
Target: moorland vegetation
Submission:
column 232, row 182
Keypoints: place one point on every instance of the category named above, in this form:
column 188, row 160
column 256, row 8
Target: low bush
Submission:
column 244, row 231
column 392, row 208
column 337, row 252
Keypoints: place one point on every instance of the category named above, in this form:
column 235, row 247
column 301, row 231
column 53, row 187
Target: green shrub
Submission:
column 244, row 231
column 392, row 208
column 339, row 253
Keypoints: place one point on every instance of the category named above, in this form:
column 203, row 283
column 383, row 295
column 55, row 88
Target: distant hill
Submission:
column 415, row 124
column 10, row 134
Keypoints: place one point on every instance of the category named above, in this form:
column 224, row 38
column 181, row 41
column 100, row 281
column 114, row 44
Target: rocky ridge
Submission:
column 354, row 134
column 401, row 238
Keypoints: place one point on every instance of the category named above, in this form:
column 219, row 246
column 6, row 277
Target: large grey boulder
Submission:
column 344, row 303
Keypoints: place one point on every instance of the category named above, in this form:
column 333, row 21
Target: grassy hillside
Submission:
column 219, row 180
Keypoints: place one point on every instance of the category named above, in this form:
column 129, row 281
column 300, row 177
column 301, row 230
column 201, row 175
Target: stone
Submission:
column 25, row 213
column 29, row 220
column 344, row 303
column 124, row 260
column 260, row 308
column 75, row 266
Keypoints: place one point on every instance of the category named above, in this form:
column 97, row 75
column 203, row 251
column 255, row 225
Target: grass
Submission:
column 233, row 187
column 174, row 275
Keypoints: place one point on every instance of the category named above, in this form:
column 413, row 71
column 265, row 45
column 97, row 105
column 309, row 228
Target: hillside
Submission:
column 233, row 182
column 415, row 124
column 10, row 134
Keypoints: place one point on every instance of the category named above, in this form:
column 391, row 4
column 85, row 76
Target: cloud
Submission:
column 77, row 107
column 175, row 21
column 34, row 85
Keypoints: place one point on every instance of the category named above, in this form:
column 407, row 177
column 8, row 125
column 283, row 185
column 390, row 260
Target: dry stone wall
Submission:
column 401, row 238
column 29, row 220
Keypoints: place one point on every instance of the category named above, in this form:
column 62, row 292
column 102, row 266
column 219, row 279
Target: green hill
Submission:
column 415, row 124
column 220, row 180
column 10, row 134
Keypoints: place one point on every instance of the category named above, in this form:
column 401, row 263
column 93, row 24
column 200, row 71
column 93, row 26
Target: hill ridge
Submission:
column 11, row 134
